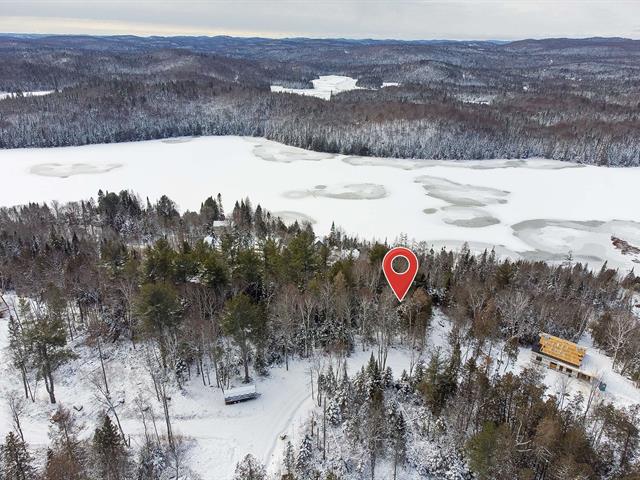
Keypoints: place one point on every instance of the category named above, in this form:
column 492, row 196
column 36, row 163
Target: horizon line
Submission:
column 301, row 37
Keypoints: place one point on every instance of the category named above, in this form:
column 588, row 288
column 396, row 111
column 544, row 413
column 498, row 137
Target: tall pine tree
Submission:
column 15, row 460
column 110, row 451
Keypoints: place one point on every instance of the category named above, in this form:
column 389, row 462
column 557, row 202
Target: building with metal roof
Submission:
column 240, row 394
column 562, row 356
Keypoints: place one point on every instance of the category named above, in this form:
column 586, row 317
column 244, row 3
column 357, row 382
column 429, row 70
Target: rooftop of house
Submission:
column 562, row 349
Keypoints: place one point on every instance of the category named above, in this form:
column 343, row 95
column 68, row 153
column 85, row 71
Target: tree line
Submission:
column 550, row 120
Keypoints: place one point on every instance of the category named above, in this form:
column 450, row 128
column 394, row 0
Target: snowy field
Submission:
column 537, row 208
column 38, row 93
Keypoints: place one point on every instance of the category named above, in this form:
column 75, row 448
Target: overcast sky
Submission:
column 402, row 19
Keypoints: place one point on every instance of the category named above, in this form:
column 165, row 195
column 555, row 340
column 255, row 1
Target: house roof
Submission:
column 561, row 349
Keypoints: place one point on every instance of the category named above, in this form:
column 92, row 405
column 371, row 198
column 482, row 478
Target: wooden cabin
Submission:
column 240, row 394
column 562, row 356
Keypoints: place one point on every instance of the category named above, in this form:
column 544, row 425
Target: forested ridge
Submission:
column 218, row 294
column 573, row 100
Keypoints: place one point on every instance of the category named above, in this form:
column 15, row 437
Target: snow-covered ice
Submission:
column 323, row 87
column 536, row 208
column 326, row 85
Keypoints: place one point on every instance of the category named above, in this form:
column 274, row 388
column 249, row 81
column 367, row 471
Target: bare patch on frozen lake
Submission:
column 468, row 217
column 350, row 191
column 276, row 152
column 402, row 163
column 416, row 164
column 176, row 140
column 62, row 170
column 588, row 241
column 461, row 195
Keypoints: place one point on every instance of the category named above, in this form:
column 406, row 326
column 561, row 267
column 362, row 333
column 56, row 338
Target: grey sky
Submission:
column 404, row 19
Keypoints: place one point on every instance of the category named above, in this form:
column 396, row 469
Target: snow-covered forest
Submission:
column 124, row 319
column 572, row 100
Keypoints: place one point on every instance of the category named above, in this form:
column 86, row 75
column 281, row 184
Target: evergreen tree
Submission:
column 209, row 211
column 151, row 461
column 167, row 211
column 492, row 453
column 387, row 377
column 305, row 453
column 247, row 275
column 448, row 381
column 250, row 469
column 244, row 321
column 212, row 268
column 398, row 438
column 429, row 387
column 19, row 352
column 110, row 450
column 259, row 224
column 334, row 413
column 15, row 460
column 375, row 429
column 159, row 308
column 418, row 374
column 46, row 337
column 289, row 459
column 373, row 377
column 160, row 262
column 300, row 257
column 330, row 382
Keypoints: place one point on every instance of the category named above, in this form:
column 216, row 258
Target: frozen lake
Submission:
column 323, row 87
column 535, row 208
column 327, row 85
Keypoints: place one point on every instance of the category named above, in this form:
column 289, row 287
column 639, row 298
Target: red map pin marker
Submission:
column 400, row 281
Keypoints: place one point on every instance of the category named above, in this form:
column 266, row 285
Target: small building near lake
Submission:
column 561, row 355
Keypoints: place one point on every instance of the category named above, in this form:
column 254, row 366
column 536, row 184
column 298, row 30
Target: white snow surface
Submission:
column 37, row 93
column 537, row 208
